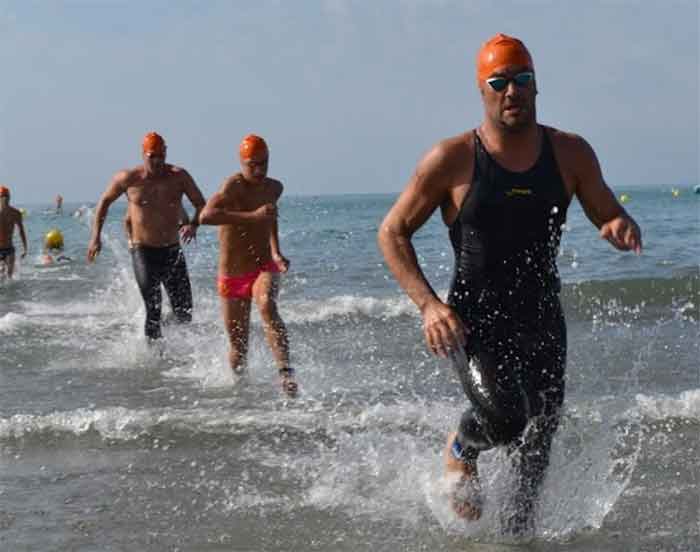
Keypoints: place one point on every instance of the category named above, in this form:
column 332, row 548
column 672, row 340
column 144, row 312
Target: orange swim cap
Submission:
column 4, row 192
column 153, row 143
column 499, row 51
column 253, row 146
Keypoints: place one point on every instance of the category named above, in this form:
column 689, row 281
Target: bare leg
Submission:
column 265, row 291
column 10, row 264
column 236, row 315
column 465, row 494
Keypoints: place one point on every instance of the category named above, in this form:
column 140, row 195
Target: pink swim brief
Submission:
column 241, row 287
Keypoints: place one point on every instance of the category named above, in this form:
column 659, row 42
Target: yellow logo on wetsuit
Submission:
column 519, row 192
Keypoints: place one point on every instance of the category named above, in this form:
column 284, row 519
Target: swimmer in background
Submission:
column 53, row 248
column 245, row 209
column 9, row 218
column 59, row 204
column 80, row 212
column 154, row 191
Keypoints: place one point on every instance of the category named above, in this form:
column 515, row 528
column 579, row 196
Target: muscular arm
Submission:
column 274, row 240
column 277, row 256
column 600, row 204
column 196, row 198
column 22, row 234
column 115, row 188
column 428, row 188
column 424, row 193
column 218, row 209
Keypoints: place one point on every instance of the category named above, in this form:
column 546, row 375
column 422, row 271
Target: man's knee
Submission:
column 491, row 429
column 268, row 310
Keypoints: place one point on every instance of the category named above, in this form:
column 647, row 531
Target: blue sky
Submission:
column 348, row 94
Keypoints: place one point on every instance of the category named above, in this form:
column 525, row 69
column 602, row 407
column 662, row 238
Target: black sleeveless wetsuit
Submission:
column 154, row 266
column 506, row 291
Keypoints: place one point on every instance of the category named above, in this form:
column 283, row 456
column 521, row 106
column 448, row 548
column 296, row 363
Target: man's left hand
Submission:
column 623, row 233
column 188, row 232
column 281, row 262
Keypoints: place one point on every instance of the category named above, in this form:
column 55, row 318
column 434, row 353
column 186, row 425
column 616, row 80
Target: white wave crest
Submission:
column 11, row 321
column 685, row 405
column 347, row 305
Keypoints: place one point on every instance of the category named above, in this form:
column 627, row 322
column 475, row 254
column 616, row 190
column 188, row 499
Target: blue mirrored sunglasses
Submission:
column 521, row 80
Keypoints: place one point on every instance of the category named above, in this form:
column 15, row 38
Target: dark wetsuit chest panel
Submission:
column 507, row 232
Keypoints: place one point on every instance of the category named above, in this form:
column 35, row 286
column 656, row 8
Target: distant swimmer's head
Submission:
column 53, row 239
column 254, row 157
column 505, row 75
column 5, row 193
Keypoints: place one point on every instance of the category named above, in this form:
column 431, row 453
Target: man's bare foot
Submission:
column 463, row 478
column 288, row 382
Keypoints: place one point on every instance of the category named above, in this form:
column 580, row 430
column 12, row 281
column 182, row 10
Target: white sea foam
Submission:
column 347, row 305
column 121, row 423
column 12, row 321
column 113, row 422
column 685, row 405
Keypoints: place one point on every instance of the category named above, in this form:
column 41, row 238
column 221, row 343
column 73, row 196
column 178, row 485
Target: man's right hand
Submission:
column 443, row 329
column 265, row 212
column 93, row 249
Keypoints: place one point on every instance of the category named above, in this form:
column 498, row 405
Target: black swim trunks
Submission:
column 6, row 252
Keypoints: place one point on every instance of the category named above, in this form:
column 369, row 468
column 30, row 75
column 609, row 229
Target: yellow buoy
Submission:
column 53, row 239
column 675, row 192
column 23, row 211
column 624, row 198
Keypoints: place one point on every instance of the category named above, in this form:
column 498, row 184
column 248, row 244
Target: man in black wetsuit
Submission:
column 154, row 191
column 503, row 190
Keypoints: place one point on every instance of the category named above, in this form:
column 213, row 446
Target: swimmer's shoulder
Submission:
column 449, row 158
column 456, row 147
column 451, row 152
column 571, row 150
column 126, row 178
column 177, row 172
column 233, row 182
column 275, row 186
column 16, row 214
column 232, row 187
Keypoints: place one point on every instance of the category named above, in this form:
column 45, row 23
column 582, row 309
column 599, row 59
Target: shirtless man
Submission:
column 9, row 218
column 59, row 204
column 154, row 192
column 503, row 190
column 184, row 221
column 250, row 260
